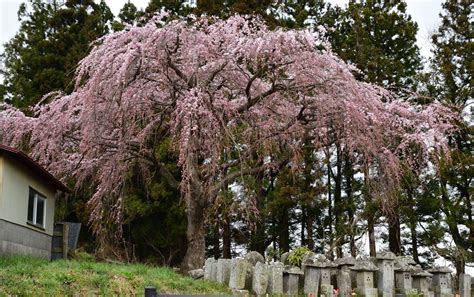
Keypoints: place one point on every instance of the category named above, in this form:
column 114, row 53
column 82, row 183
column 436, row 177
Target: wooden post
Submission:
column 65, row 240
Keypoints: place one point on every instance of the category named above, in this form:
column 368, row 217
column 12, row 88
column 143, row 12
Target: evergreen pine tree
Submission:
column 379, row 37
column 452, row 83
column 52, row 39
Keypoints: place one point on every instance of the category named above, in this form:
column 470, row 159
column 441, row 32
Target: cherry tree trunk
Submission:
column 195, row 253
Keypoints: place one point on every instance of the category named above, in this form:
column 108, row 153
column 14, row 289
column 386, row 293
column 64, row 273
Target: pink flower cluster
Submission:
column 217, row 88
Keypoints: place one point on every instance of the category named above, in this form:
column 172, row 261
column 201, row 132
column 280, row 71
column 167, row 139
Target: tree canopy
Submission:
column 379, row 37
column 452, row 82
column 218, row 88
column 51, row 40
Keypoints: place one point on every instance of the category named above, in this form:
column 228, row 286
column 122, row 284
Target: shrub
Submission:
column 296, row 256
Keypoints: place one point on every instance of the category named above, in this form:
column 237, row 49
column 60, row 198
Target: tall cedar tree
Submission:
column 453, row 69
column 128, row 16
column 219, row 8
column 51, row 40
column 378, row 37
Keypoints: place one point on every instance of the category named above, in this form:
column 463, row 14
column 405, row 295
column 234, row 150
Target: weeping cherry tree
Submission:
column 222, row 91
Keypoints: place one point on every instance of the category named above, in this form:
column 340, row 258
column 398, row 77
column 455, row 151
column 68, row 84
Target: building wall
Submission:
column 1, row 180
column 18, row 240
column 14, row 197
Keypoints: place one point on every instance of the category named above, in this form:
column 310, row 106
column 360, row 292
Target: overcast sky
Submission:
column 424, row 12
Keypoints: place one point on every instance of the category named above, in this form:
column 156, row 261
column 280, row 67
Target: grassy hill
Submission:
column 34, row 277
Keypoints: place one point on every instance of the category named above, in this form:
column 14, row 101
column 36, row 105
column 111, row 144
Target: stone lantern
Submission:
column 441, row 282
column 385, row 274
column 404, row 261
column 421, row 283
column 365, row 277
column 326, row 269
column 344, row 280
column 403, row 280
column 318, row 276
column 291, row 278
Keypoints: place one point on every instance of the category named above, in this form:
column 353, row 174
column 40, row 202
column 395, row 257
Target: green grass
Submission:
column 26, row 276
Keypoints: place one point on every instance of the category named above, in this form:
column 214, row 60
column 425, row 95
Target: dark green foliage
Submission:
column 128, row 15
column 445, row 200
column 218, row 8
column 453, row 54
column 302, row 14
column 50, row 42
column 155, row 217
column 378, row 37
column 452, row 83
column 177, row 7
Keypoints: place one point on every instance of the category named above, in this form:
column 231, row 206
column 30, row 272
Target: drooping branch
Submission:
column 214, row 87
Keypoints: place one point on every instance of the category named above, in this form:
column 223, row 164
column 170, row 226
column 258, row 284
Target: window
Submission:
column 36, row 208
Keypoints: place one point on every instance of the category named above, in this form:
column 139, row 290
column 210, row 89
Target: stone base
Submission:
column 406, row 292
column 367, row 292
column 442, row 293
column 20, row 240
column 326, row 291
column 426, row 294
column 311, row 279
column 290, row 284
column 240, row 293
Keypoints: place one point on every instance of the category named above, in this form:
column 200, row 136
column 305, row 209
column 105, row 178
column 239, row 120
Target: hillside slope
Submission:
column 25, row 276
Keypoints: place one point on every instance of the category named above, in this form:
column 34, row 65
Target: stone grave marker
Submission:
column 421, row 282
column 344, row 282
column 260, row 279
column 441, row 281
column 403, row 280
column 208, row 268
column 238, row 274
column 464, row 285
column 291, row 276
column 275, row 278
column 385, row 274
column 365, row 277
column 223, row 271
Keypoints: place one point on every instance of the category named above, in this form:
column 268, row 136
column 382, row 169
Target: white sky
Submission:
column 424, row 12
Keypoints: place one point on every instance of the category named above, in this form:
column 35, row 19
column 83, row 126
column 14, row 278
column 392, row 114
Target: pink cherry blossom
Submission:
column 216, row 87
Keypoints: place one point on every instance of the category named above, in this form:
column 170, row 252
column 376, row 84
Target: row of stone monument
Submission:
column 385, row 275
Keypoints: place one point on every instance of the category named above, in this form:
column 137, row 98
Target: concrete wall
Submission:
column 17, row 179
column 1, row 181
column 18, row 240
